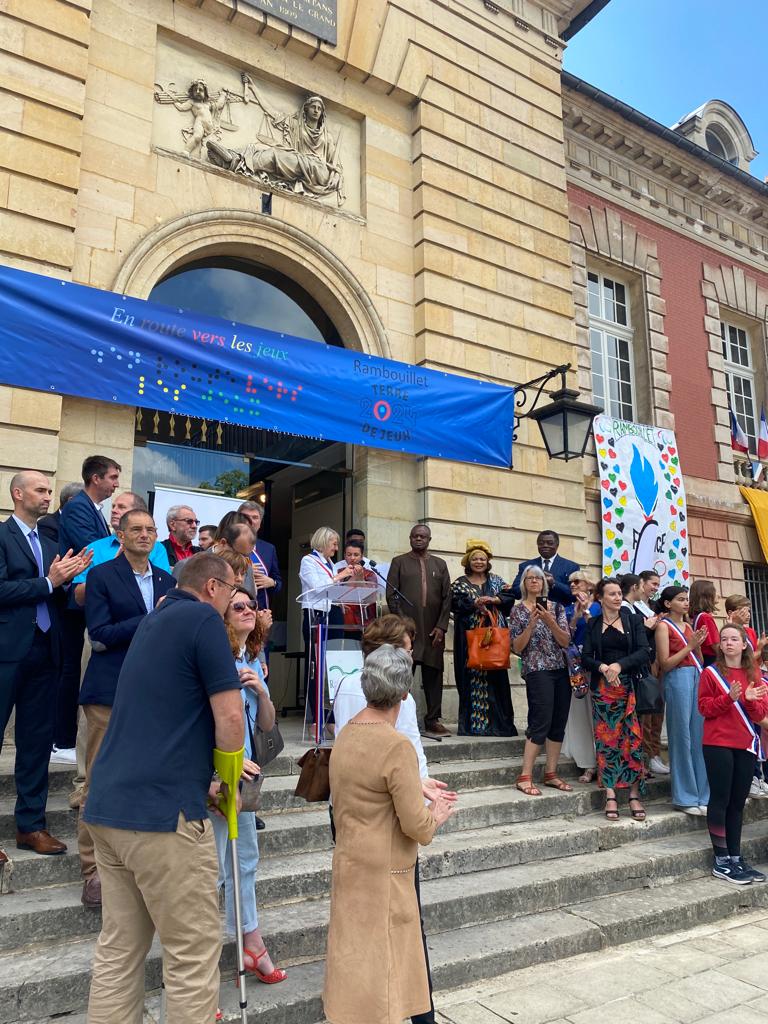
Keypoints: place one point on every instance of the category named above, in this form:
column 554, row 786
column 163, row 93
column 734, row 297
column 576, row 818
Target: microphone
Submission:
column 372, row 565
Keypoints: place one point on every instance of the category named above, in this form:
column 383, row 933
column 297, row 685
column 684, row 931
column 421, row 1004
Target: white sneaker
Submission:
column 67, row 755
column 703, row 808
column 756, row 789
column 658, row 767
column 695, row 812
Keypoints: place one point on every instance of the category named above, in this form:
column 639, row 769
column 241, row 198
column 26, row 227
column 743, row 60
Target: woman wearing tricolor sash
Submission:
column 732, row 698
column 679, row 657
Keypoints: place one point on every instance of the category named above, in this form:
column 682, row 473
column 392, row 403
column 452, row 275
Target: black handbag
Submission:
column 648, row 698
column 265, row 746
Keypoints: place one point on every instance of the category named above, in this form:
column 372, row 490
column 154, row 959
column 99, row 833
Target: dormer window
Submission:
column 717, row 127
column 719, row 143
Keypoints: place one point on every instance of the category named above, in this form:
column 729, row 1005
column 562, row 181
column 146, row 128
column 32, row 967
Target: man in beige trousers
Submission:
column 177, row 697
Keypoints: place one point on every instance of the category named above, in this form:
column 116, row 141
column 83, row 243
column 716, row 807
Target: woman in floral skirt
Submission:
column 615, row 649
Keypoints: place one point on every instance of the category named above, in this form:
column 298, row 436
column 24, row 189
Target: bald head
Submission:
column 31, row 495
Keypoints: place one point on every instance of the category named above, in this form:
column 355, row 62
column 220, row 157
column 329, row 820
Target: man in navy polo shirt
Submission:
column 177, row 698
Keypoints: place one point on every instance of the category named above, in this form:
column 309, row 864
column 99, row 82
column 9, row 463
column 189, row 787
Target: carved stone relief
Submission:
column 279, row 136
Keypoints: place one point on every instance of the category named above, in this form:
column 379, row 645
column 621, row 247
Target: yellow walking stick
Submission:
column 229, row 765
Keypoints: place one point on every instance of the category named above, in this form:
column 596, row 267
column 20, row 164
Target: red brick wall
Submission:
column 681, row 261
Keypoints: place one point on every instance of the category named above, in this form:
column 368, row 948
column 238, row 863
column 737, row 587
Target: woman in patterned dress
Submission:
column 485, row 699
column 615, row 648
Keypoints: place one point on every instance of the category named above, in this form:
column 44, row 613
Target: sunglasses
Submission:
column 189, row 522
column 240, row 606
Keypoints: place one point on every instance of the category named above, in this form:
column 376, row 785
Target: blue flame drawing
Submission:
column 646, row 491
column 644, row 483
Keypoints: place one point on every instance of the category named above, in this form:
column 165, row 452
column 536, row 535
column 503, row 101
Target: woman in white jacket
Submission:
column 315, row 573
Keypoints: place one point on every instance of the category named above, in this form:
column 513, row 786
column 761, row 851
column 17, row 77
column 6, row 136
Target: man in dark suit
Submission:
column 266, row 571
column 48, row 526
column 82, row 521
column 31, row 574
column 82, row 518
column 120, row 593
column 556, row 568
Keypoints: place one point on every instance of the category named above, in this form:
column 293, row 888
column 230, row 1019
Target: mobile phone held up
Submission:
column 541, row 602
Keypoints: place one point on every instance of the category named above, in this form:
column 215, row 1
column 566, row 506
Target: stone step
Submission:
column 39, row 982
column 60, row 778
column 456, row 892
column 307, row 831
column 304, row 874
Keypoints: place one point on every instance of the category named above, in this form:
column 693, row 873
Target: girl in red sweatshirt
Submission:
column 732, row 698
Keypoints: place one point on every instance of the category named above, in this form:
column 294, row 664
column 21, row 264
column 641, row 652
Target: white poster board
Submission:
column 642, row 501
column 343, row 668
column 208, row 508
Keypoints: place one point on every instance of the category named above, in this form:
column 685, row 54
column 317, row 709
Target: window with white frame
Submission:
column 740, row 379
column 610, row 342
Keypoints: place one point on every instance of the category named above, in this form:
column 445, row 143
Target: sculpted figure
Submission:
column 206, row 113
column 297, row 149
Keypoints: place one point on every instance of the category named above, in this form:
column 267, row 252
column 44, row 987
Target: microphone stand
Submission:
column 391, row 586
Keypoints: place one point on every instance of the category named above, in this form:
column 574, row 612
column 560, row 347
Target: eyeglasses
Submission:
column 240, row 606
column 189, row 522
column 232, row 586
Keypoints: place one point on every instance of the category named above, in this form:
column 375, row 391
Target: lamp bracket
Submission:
column 532, row 391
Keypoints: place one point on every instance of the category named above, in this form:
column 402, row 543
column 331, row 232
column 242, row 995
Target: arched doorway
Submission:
column 302, row 482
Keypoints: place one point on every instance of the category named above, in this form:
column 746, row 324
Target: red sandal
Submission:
column 277, row 975
column 553, row 782
column 525, row 785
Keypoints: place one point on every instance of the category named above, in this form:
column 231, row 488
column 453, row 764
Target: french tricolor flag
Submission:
column 762, row 437
column 739, row 441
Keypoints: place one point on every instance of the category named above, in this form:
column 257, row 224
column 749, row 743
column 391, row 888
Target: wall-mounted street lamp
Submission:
column 565, row 423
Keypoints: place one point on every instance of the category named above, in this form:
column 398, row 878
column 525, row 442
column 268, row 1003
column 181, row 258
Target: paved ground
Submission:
column 713, row 974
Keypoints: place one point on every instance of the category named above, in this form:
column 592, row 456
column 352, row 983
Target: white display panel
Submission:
column 208, row 508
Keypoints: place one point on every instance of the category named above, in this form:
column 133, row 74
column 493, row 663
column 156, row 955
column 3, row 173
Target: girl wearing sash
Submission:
column 732, row 698
column 677, row 652
column 702, row 606
column 738, row 609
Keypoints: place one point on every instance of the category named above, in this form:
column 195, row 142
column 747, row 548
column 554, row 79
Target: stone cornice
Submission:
column 605, row 153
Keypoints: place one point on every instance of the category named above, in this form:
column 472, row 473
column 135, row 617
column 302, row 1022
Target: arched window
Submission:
column 719, row 143
column 249, row 293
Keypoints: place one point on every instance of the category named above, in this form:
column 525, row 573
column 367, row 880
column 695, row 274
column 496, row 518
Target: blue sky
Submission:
column 667, row 57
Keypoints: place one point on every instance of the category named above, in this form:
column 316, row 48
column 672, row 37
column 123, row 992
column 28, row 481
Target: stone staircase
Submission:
column 511, row 881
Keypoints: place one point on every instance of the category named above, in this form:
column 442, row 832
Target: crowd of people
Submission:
column 151, row 837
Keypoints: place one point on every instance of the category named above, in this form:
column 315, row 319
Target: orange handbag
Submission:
column 488, row 646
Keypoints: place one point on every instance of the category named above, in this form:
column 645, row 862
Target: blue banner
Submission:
column 73, row 340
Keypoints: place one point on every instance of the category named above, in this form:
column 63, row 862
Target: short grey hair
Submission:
column 173, row 513
column 534, row 570
column 387, row 676
column 139, row 505
column 321, row 538
column 68, row 491
column 251, row 506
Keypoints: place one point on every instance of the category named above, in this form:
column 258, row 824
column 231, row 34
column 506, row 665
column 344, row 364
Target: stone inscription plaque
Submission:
column 315, row 16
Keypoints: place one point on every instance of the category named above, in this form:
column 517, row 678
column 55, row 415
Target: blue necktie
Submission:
column 42, row 615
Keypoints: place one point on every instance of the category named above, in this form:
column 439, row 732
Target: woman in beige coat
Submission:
column 375, row 969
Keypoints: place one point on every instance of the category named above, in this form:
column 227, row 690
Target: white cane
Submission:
column 229, row 765
column 243, row 998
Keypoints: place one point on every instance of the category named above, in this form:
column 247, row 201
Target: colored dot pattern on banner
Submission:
column 165, row 384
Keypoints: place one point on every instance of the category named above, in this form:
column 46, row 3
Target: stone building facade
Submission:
column 460, row 193
column 451, row 248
